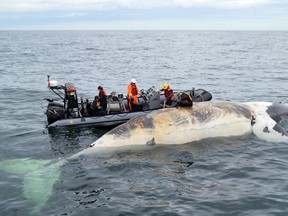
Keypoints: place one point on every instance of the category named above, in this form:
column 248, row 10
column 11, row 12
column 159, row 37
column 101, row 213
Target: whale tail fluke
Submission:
column 39, row 178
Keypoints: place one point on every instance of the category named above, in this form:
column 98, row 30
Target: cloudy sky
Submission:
column 144, row 14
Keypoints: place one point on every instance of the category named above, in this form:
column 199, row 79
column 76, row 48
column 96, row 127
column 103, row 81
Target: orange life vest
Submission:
column 132, row 91
column 169, row 92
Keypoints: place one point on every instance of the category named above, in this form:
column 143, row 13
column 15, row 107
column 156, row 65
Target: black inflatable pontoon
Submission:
column 73, row 113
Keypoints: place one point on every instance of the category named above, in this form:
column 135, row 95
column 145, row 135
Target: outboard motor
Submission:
column 71, row 100
column 54, row 112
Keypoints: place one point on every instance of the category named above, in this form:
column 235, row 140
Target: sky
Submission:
column 144, row 15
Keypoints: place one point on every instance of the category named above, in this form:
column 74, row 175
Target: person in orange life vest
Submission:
column 169, row 94
column 132, row 93
column 102, row 97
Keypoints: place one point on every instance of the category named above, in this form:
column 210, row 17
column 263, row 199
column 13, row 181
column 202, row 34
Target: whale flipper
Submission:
column 39, row 178
column 280, row 130
column 277, row 111
column 266, row 125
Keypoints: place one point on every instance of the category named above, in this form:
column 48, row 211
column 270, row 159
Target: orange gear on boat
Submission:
column 132, row 93
column 169, row 93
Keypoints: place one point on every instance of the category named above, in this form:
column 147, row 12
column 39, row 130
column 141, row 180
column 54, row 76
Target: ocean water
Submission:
column 224, row 176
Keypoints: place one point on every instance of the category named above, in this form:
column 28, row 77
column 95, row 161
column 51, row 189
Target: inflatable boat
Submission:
column 68, row 111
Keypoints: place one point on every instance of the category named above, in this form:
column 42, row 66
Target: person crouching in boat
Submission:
column 169, row 95
column 184, row 100
column 133, row 93
column 99, row 105
column 94, row 108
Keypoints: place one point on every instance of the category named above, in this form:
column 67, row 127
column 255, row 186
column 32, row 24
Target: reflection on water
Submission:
column 158, row 179
column 65, row 141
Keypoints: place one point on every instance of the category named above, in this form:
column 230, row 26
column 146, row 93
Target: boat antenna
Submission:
column 48, row 79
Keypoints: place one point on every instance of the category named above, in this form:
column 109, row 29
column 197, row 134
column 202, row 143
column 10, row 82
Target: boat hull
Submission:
column 114, row 119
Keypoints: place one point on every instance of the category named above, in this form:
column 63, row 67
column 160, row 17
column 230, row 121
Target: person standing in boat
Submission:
column 102, row 97
column 133, row 93
column 169, row 95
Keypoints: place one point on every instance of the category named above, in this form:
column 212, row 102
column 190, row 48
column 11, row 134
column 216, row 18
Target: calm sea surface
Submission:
column 229, row 176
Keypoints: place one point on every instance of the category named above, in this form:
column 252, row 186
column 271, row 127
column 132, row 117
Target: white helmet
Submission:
column 133, row 80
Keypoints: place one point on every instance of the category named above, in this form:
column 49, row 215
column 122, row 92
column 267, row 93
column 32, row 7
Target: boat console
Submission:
column 153, row 98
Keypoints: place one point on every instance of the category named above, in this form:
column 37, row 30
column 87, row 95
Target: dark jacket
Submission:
column 184, row 101
column 103, row 98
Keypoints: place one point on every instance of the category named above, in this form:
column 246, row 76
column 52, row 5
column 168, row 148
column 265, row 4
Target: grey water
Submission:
column 223, row 176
